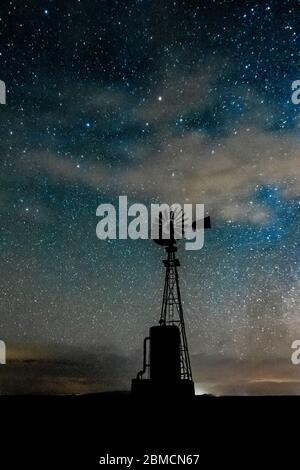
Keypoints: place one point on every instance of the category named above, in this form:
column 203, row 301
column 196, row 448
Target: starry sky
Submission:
column 162, row 101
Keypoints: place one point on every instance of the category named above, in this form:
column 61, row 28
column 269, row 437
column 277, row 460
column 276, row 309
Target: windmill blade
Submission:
column 164, row 238
column 206, row 223
column 176, row 220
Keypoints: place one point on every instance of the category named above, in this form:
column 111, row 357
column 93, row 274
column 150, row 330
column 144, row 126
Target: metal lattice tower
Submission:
column 171, row 310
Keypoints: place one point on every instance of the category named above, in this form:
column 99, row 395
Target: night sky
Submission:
column 162, row 101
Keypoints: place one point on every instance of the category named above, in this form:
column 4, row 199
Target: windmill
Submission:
column 166, row 363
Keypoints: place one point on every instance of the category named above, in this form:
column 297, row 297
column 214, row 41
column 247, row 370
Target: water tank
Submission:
column 165, row 353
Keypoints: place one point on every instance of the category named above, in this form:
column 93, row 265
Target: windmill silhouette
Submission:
column 166, row 363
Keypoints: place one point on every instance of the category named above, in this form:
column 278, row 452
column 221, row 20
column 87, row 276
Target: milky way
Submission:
column 162, row 101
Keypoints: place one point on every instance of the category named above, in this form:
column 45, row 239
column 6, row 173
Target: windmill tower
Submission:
column 166, row 363
column 172, row 311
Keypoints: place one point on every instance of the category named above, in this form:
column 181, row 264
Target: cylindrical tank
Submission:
column 165, row 353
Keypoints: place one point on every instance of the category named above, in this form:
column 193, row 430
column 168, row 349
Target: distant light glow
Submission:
column 199, row 390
